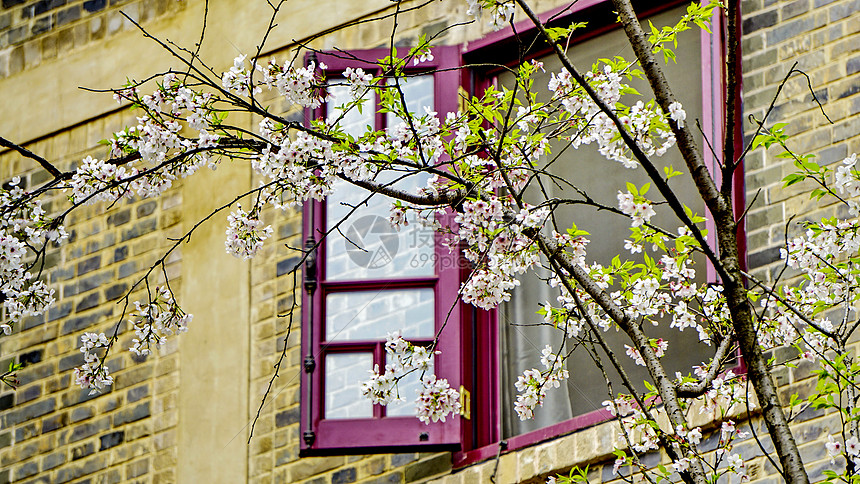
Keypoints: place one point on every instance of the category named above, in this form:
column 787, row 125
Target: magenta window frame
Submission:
column 713, row 85
column 381, row 433
column 478, row 439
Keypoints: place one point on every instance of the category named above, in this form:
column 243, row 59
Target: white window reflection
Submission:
column 408, row 388
column 365, row 245
column 371, row 315
column 352, row 121
column 344, row 373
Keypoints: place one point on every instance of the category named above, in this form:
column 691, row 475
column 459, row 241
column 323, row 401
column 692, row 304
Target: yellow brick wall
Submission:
column 52, row 430
column 35, row 31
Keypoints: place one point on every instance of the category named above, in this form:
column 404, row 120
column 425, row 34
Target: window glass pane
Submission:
column 601, row 179
column 344, row 373
column 408, row 388
column 371, row 315
column 353, row 121
column 418, row 92
column 366, row 246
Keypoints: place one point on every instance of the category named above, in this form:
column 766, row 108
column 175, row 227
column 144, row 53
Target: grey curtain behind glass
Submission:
column 522, row 342
column 602, row 179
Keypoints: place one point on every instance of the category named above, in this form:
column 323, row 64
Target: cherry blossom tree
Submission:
column 480, row 161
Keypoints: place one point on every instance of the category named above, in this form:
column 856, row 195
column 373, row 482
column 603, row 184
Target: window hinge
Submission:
column 309, row 364
column 465, row 403
column 309, row 438
column 462, row 99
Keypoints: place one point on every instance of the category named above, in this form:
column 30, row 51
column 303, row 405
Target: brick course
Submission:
column 32, row 32
column 52, row 430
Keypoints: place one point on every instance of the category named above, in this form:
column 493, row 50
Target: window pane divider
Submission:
column 349, row 345
column 369, row 284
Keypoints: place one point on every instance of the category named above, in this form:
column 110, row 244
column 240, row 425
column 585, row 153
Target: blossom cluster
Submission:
column 96, row 180
column 533, row 383
column 639, row 209
column 93, row 374
column 164, row 154
column 831, row 276
column 499, row 246
column 847, row 182
column 726, row 393
column 563, row 319
column 397, row 216
column 238, row 78
column 501, row 11
column 300, row 85
column 643, row 435
column 677, row 113
column 358, row 81
column 644, row 122
column 659, row 345
column 156, row 320
column 413, row 138
column 735, row 464
column 851, row 449
column 436, row 399
column 245, row 233
column 285, row 163
column 152, row 323
column 24, row 224
column 635, row 423
column 306, row 165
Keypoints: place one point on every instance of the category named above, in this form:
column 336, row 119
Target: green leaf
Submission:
column 793, row 178
column 702, row 25
column 670, row 172
column 556, row 33
column 632, row 189
column 818, row 193
column 669, row 55
column 654, row 32
column 811, row 166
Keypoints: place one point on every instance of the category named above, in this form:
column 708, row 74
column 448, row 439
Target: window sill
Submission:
column 466, row 458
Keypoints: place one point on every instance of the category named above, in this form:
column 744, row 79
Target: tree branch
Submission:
column 446, row 198
column 729, row 267
column 732, row 102
column 664, row 96
column 33, row 156
column 694, row 390
column 664, row 384
column 650, row 169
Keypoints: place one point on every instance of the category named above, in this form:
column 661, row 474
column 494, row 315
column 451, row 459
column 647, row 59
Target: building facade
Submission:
column 185, row 413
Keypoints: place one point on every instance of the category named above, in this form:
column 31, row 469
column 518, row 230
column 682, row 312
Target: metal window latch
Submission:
column 310, row 364
column 465, row 403
column 310, row 265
